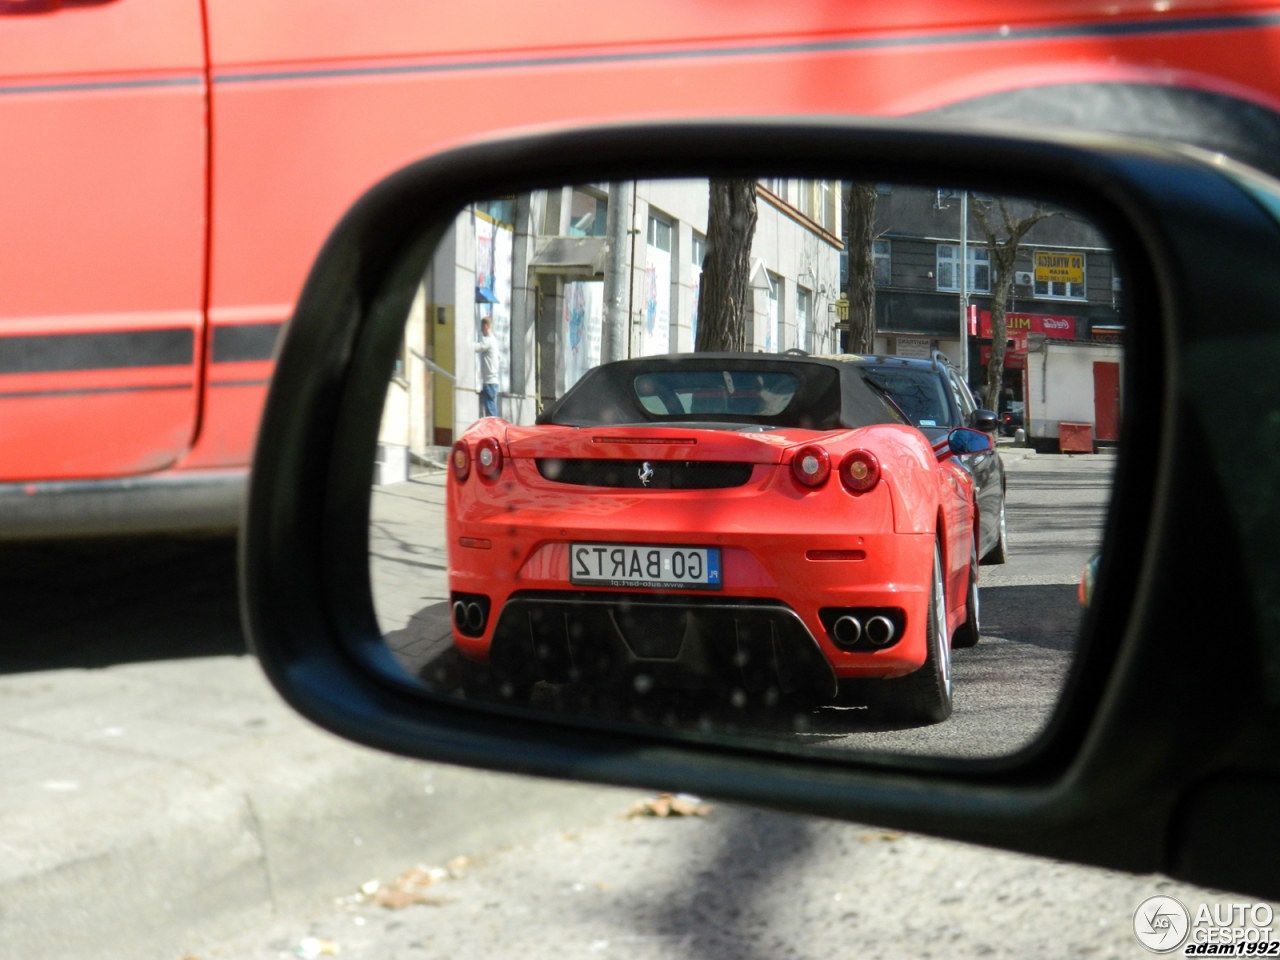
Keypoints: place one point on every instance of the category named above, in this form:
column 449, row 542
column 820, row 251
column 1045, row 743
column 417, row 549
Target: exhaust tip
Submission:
column 460, row 615
column 475, row 618
column 880, row 630
column 847, row 630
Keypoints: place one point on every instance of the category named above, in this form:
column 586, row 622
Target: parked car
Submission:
column 763, row 524
column 937, row 400
column 1011, row 416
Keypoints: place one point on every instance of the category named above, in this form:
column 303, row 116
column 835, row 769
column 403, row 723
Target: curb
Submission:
column 185, row 855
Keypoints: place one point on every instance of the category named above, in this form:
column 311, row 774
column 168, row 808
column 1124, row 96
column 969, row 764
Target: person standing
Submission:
column 487, row 350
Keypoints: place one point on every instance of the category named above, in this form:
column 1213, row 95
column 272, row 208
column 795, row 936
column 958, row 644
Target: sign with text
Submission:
column 918, row 347
column 1014, row 359
column 1059, row 267
column 1021, row 324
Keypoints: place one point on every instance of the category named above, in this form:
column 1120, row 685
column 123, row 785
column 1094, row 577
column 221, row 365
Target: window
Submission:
column 961, row 396
column 803, row 300
column 945, row 198
column 742, row 393
column 881, row 265
column 776, row 185
column 660, row 234
column 818, row 200
column 587, row 215
column 500, row 211
column 948, row 274
column 697, row 250
column 918, row 392
column 772, row 344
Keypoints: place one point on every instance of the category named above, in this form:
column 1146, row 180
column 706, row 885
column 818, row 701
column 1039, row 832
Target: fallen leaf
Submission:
column 409, row 888
column 457, row 866
column 670, row 805
column 881, row 836
column 399, row 899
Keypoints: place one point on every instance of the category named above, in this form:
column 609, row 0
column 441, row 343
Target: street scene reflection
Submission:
column 808, row 461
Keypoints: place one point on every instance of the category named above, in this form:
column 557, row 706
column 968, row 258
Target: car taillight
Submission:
column 811, row 466
column 460, row 461
column 489, row 458
column 859, row 471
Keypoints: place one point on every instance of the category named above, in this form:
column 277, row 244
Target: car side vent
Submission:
column 647, row 474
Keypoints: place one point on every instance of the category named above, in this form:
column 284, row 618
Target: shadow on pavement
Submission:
column 95, row 603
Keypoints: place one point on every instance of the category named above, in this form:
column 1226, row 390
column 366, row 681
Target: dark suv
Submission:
column 936, row 398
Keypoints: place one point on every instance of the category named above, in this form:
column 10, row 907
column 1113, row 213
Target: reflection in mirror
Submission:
column 806, row 461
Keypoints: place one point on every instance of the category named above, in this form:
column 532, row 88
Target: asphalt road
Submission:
column 161, row 802
column 1005, row 688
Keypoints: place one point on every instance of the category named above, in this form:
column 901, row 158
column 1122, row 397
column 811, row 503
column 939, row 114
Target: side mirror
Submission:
column 1112, row 768
column 965, row 440
column 985, row 420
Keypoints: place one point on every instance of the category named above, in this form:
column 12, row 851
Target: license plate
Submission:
column 635, row 565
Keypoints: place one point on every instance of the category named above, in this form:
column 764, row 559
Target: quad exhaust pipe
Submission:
column 469, row 616
column 880, row 631
column 863, row 627
column 847, row 630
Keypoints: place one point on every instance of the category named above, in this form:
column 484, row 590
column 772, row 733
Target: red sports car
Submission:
column 758, row 525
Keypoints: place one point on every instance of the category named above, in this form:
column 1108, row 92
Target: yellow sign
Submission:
column 842, row 308
column 1059, row 267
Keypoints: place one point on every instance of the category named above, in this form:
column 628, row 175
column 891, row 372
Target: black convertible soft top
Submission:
column 769, row 390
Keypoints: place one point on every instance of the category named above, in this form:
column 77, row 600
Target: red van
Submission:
column 171, row 168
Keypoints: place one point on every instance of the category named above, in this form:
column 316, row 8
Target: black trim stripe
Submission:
column 96, row 85
column 240, row 383
column 87, row 391
column 46, row 353
column 1004, row 34
column 236, row 343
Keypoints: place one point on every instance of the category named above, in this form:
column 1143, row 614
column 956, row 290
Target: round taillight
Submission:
column 460, row 461
column 811, row 466
column 859, row 471
column 489, row 458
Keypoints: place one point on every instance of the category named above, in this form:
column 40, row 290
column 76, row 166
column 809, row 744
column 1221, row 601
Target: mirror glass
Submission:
column 817, row 463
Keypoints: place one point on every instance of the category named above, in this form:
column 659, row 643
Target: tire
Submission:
column 922, row 697
column 970, row 632
column 1000, row 552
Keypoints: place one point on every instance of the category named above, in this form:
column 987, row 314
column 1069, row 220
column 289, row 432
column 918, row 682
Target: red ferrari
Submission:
column 755, row 525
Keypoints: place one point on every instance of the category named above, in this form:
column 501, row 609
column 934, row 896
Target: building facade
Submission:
column 535, row 265
column 1066, row 294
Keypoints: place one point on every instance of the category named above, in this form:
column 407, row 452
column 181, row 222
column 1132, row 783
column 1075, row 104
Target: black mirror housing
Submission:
column 1124, row 776
column 985, row 420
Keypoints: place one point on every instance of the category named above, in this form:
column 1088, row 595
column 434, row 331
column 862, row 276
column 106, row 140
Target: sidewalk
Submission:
column 149, row 809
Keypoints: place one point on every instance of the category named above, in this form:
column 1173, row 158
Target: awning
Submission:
column 485, row 295
column 570, row 256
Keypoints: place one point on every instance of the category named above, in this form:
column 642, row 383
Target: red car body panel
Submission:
column 765, row 529
column 174, row 166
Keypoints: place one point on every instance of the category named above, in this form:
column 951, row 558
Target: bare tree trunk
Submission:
column 860, row 219
column 1002, row 262
column 726, row 268
column 1003, row 246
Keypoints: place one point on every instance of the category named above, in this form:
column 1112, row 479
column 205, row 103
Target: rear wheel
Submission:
column 925, row 695
column 969, row 633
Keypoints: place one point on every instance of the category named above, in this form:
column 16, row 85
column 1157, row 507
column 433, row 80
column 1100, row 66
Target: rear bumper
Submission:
column 677, row 642
column 171, row 501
